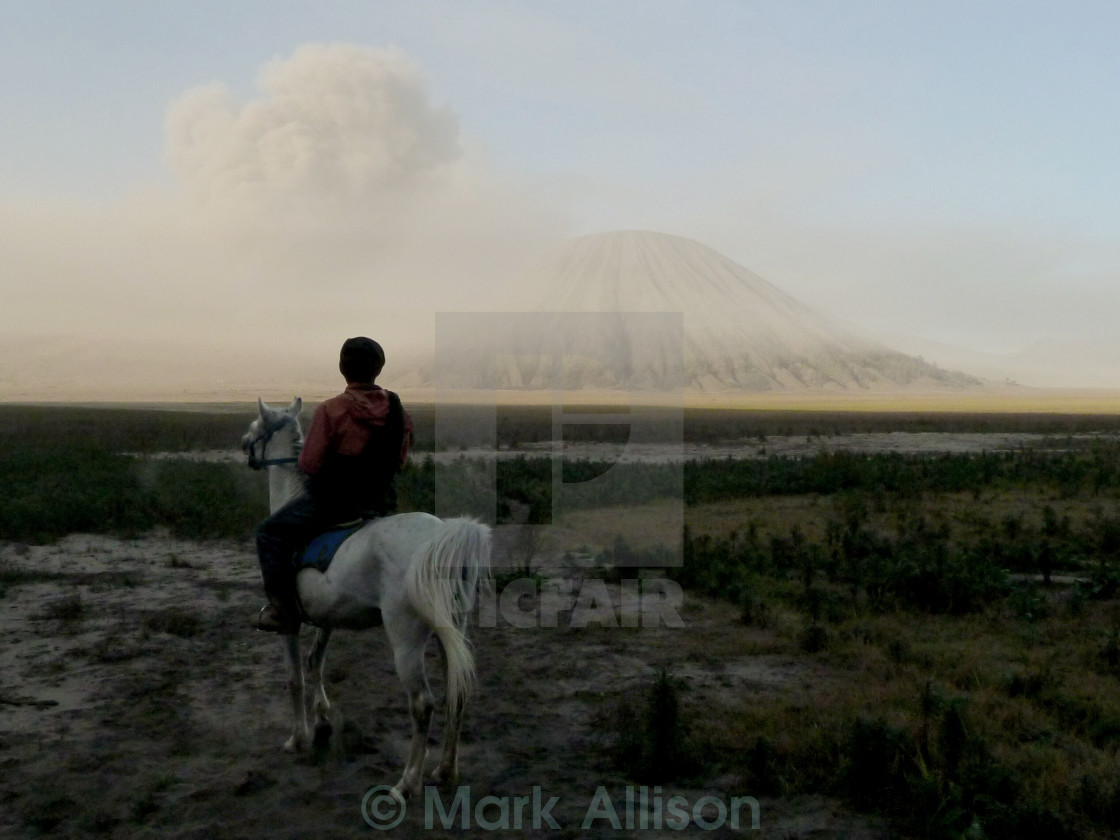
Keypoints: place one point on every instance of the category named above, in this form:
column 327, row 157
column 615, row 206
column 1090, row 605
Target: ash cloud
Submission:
column 339, row 200
column 335, row 120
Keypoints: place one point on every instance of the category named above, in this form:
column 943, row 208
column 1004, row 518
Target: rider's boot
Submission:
column 278, row 616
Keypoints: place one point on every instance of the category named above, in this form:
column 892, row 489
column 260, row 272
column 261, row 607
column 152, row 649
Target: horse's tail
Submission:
column 442, row 583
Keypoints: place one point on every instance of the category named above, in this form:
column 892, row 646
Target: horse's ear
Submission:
column 296, row 407
column 261, row 407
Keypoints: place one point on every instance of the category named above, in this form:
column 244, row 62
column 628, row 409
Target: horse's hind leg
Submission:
column 447, row 771
column 295, row 693
column 409, row 637
column 316, row 664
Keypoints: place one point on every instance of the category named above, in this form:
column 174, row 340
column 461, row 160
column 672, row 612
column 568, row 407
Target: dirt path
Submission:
column 134, row 702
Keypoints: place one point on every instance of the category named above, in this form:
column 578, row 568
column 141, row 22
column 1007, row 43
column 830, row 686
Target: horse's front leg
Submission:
column 316, row 665
column 295, row 694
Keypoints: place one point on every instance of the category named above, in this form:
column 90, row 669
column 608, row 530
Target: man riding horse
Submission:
column 357, row 443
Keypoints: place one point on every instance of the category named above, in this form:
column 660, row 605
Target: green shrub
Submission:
column 652, row 737
column 203, row 500
column 88, row 489
column 813, row 639
column 874, row 762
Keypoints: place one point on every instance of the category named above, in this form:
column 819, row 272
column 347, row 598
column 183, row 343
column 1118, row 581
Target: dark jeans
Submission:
column 285, row 532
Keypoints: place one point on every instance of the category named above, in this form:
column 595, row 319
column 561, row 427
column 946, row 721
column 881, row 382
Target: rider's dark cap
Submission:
column 361, row 359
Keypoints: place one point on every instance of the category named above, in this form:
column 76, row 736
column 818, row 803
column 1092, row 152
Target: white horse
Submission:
column 415, row 573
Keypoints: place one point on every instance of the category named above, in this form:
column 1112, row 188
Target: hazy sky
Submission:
column 274, row 170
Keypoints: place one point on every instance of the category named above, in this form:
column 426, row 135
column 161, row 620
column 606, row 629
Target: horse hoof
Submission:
column 445, row 776
column 323, row 732
column 293, row 744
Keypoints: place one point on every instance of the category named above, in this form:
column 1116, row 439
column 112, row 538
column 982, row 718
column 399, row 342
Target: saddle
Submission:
column 320, row 551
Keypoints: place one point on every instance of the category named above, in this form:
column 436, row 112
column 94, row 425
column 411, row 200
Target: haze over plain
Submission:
column 209, row 197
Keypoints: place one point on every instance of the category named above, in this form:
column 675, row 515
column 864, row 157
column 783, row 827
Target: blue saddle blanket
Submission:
column 321, row 550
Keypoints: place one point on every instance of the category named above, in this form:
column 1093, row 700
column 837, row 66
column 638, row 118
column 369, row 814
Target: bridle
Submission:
column 263, row 439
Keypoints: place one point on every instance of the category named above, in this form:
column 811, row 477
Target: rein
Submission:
column 263, row 439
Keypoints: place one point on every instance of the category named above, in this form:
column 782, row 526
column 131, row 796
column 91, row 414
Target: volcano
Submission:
column 740, row 332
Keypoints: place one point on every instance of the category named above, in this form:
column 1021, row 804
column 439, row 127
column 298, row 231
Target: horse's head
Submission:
column 268, row 423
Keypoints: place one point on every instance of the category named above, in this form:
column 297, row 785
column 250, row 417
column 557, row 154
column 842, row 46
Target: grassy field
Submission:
column 960, row 613
column 957, row 688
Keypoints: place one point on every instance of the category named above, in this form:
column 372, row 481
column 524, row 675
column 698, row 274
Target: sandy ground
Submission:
column 135, row 702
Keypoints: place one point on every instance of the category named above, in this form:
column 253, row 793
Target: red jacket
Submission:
column 342, row 424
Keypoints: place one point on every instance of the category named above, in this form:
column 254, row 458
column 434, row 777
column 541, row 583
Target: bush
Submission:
column 813, row 639
column 652, row 743
column 54, row 492
column 202, row 500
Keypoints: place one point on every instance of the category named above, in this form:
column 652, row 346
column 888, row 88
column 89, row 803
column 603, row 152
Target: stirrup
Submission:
column 280, row 626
